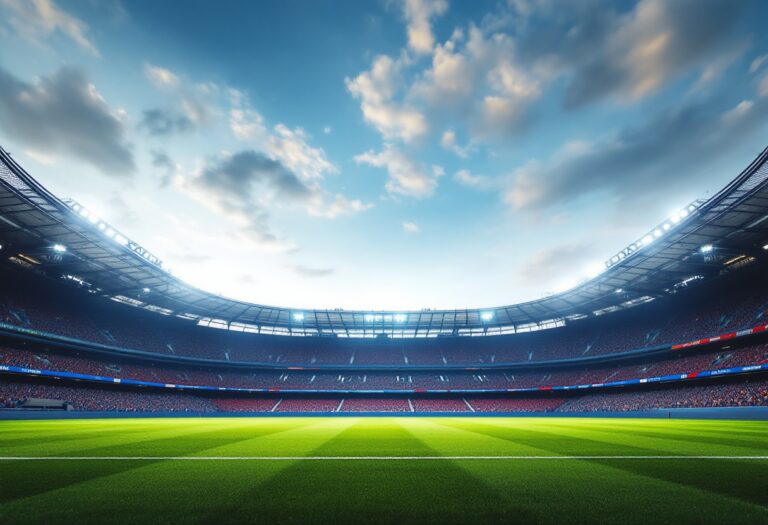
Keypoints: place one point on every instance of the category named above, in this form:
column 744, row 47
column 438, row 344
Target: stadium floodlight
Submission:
column 648, row 239
column 60, row 248
column 619, row 290
column 707, row 248
column 400, row 318
column 486, row 316
column 146, row 290
column 298, row 316
column 765, row 247
column 121, row 240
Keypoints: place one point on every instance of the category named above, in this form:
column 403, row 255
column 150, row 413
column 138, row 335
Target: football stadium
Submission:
column 170, row 346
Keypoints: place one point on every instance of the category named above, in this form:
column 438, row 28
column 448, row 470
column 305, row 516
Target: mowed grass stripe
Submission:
column 355, row 458
column 384, row 470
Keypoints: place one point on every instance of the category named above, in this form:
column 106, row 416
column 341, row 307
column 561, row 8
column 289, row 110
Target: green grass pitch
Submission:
column 429, row 470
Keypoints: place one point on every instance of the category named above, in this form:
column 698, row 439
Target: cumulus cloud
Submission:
column 292, row 147
column 757, row 63
column 665, row 151
column 448, row 142
column 165, row 165
column 64, row 113
column 241, row 186
column 195, row 103
column 406, row 176
column 37, row 19
column 410, row 227
column 159, row 122
column 377, row 89
column 648, row 46
column 160, row 76
column 339, row 205
column 468, row 179
column 487, row 79
column 419, row 15
column 246, row 123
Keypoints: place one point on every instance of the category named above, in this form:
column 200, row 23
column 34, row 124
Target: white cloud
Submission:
column 160, row 76
column 406, row 176
column 733, row 115
column 448, row 142
column 35, row 19
column 410, row 227
column 376, row 90
column 757, row 63
column 65, row 113
column 418, row 15
column 246, row 123
column 762, row 87
column 339, row 206
column 327, row 129
column 292, row 148
column 466, row 178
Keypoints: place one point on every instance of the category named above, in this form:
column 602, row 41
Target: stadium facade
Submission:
column 92, row 318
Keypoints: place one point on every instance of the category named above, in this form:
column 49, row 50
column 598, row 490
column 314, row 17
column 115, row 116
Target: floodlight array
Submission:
column 115, row 235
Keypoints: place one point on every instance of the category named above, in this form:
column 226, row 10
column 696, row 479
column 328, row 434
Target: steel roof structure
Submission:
column 63, row 240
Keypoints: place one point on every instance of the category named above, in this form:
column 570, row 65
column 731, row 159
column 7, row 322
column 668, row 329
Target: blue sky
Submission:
column 383, row 154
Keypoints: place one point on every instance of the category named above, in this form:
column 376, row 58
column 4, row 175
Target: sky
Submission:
column 383, row 154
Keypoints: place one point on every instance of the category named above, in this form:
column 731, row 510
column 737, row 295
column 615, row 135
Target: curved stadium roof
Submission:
column 731, row 226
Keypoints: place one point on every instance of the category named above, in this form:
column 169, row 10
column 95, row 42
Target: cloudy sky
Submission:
column 383, row 153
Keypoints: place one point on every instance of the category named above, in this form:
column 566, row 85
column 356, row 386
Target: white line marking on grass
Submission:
column 356, row 458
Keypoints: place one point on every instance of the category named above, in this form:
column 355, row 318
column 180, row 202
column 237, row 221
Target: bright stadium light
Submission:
column 60, row 248
column 707, row 248
column 648, row 239
column 765, row 247
column 146, row 290
column 298, row 316
column 593, row 270
column 400, row 318
column 486, row 316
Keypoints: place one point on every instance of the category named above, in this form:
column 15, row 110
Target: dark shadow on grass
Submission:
column 373, row 491
column 30, row 478
column 741, row 480
column 689, row 437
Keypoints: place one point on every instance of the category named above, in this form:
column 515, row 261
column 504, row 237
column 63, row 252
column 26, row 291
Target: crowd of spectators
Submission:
column 694, row 396
column 12, row 394
column 516, row 404
column 725, row 307
column 693, row 361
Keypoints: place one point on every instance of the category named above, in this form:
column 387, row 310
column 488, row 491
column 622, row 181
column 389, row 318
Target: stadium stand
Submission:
column 376, row 405
column 677, row 315
column 725, row 307
column 698, row 396
column 508, row 404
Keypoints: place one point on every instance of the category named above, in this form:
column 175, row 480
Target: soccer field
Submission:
column 383, row 470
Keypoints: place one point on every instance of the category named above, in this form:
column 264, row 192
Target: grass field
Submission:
column 383, row 470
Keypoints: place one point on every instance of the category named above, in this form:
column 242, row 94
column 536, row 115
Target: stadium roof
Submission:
column 62, row 239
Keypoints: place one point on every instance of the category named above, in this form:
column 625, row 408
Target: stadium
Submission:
column 635, row 393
